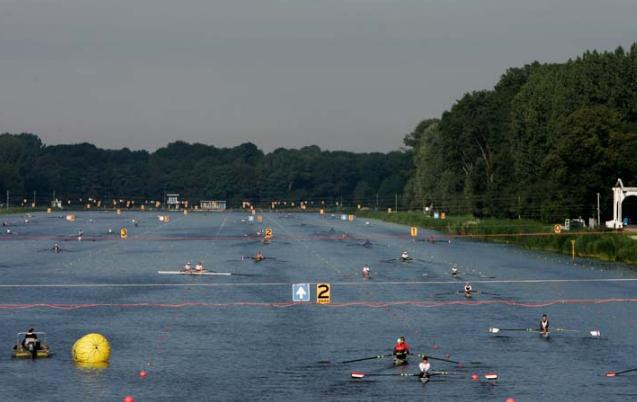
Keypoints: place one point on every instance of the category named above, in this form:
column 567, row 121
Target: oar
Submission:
column 358, row 374
column 437, row 358
column 594, row 333
column 366, row 358
column 496, row 330
column 460, row 364
column 616, row 373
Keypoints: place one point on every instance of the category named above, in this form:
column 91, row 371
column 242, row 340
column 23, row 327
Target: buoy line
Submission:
column 353, row 304
column 367, row 283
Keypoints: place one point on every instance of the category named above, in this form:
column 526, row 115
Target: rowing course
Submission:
column 149, row 318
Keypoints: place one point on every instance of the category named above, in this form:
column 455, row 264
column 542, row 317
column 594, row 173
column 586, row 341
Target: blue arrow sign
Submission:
column 300, row 292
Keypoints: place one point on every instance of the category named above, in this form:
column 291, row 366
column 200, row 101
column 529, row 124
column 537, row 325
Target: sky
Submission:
column 342, row 74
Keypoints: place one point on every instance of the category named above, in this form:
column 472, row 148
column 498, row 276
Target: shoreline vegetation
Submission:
column 525, row 233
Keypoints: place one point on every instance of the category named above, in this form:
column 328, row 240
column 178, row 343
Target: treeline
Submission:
column 198, row 172
column 541, row 144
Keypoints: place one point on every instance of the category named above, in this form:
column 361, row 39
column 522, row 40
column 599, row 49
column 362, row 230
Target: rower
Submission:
column 56, row 248
column 366, row 271
column 544, row 324
column 30, row 340
column 187, row 267
column 401, row 350
column 404, row 256
column 259, row 256
column 367, row 244
column 199, row 267
column 454, row 270
column 468, row 289
column 424, row 367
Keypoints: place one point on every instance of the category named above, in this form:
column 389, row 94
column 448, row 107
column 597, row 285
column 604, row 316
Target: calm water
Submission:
column 238, row 338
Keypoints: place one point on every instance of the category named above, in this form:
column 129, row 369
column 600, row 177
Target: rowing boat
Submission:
column 194, row 273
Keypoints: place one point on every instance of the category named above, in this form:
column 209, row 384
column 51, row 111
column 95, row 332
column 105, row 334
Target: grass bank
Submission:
column 20, row 210
column 528, row 234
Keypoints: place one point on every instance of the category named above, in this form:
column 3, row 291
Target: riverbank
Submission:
column 528, row 234
column 20, row 210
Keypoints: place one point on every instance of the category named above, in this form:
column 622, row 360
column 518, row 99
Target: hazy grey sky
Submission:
column 342, row 74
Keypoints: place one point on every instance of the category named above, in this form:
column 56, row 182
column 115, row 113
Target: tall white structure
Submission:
column 212, row 205
column 619, row 195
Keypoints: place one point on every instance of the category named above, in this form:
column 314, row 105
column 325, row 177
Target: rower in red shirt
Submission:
column 401, row 350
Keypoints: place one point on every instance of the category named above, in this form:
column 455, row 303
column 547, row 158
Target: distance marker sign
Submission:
column 323, row 295
column 301, row 292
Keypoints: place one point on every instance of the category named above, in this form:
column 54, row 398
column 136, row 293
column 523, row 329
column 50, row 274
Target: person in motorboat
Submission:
column 424, row 367
column 30, row 340
column 401, row 350
column 404, row 256
column 199, row 267
column 454, row 270
column 468, row 290
column 366, row 271
column 187, row 267
column 259, row 256
column 544, row 325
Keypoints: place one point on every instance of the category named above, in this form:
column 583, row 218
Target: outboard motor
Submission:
column 32, row 349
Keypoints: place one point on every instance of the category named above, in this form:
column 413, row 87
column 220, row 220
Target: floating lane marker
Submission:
column 367, row 283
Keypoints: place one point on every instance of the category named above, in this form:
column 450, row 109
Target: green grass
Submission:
column 18, row 210
column 528, row 234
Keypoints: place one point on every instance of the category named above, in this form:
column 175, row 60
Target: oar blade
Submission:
column 491, row 376
column 611, row 374
column 365, row 358
column 358, row 374
column 595, row 333
column 494, row 330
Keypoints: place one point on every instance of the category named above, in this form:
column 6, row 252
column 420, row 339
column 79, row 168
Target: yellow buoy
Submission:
column 123, row 233
column 91, row 348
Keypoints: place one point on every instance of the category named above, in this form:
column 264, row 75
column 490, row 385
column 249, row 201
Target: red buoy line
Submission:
column 287, row 304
